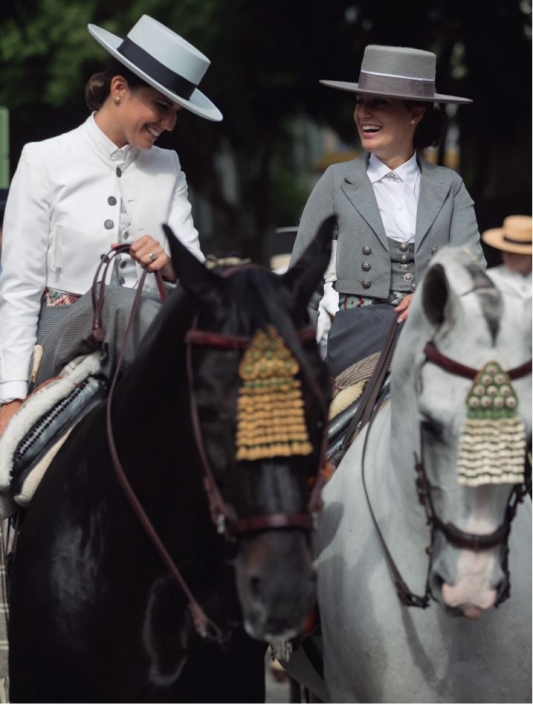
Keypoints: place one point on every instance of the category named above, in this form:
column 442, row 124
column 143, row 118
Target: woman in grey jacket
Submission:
column 394, row 209
column 76, row 195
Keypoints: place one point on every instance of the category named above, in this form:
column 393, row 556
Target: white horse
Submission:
column 462, row 648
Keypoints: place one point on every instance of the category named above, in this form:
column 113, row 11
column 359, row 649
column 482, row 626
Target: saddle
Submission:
column 35, row 434
column 86, row 357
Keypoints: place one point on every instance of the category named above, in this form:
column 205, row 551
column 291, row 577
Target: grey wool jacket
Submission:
column 445, row 216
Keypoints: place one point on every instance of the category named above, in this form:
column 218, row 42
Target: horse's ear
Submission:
column 192, row 274
column 303, row 277
column 439, row 300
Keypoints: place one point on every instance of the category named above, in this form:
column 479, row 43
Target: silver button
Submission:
column 434, row 249
column 406, row 266
column 109, row 225
column 365, row 267
column 367, row 250
column 366, row 284
column 403, row 258
column 408, row 277
column 403, row 247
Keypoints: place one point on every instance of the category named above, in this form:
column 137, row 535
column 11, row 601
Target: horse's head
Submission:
column 470, row 399
column 259, row 403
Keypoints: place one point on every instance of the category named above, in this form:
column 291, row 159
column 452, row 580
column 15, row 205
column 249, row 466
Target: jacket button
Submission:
column 109, row 225
column 434, row 249
column 408, row 277
column 102, row 257
column 123, row 264
column 122, row 281
column 366, row 284
column 403, row 258
column 112, row 201
column 406, row 266
column 119, row 172
column 367, row 250
column 125, row 236
column 365, row 267
column 403, row 247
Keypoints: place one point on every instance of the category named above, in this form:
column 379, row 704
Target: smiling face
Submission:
column 386, row 127
column 136, row 116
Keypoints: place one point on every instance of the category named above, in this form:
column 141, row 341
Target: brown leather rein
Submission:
column 457, row 537
column 224, row 520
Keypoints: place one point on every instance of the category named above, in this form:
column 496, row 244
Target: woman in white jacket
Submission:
column 75, row 195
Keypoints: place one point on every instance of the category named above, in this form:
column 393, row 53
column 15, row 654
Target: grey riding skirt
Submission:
column 356, row 333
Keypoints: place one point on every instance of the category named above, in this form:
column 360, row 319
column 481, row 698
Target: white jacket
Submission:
column 63, row 213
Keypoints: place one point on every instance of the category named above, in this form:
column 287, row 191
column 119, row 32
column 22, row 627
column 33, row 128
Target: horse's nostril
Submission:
column 255, row 586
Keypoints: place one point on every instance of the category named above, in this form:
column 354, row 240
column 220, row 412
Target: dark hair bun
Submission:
column 97, row 90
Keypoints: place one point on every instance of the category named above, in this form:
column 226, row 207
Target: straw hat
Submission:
column 514, row 236
column 397, row 72
column 165, row 61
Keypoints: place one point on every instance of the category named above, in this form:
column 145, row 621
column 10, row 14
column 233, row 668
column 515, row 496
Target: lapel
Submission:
column 358, row 189
column 435, row 184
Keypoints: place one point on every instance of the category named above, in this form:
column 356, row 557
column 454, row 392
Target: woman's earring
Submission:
column 412, row 122
column 117, row 99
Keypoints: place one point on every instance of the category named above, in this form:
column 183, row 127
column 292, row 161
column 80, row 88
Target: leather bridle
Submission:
column 225, row 520
column 454, row 535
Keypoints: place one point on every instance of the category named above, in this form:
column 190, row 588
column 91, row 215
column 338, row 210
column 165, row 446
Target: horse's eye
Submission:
column 432, row 428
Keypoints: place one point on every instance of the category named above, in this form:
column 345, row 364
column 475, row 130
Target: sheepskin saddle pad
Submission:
column 37, row 431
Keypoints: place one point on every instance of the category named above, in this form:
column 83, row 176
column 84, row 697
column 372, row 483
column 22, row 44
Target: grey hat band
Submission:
column 159, row 72
column 422, row 88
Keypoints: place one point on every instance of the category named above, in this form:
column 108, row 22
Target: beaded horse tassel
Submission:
column 270, row 414
column 493, row 443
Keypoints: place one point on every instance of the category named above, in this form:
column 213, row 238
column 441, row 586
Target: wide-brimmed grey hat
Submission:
column 165, row 61
column 397, row 72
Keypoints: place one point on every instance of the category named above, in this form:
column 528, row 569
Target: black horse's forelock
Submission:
column 489, row 297
column 260, row 299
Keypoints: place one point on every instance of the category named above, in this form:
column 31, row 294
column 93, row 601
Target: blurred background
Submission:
column 251, row 174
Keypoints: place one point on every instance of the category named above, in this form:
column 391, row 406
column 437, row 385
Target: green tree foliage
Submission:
column 267, row 58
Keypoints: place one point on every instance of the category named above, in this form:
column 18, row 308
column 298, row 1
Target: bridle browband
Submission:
column 224, row 520
column 455, row 536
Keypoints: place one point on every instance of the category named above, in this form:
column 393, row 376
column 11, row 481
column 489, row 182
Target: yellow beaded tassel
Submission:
column 270, row 407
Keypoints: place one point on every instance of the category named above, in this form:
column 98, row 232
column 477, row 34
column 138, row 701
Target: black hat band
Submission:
column 156, row 70
column 514, row 241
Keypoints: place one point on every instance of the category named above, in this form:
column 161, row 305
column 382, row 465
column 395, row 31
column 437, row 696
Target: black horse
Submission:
column 96, row 614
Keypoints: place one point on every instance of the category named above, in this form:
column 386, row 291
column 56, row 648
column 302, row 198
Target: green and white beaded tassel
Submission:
column 492, row 447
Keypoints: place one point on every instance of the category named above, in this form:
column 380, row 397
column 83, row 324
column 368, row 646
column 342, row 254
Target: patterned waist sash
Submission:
column 54, row 297
column 353, row 301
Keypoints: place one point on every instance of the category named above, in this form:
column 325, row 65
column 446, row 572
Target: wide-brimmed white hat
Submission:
column 514, row 236
column 397, row 72
column 164, row 60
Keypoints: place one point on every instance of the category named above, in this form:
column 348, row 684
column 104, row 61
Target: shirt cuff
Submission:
column 9, row 391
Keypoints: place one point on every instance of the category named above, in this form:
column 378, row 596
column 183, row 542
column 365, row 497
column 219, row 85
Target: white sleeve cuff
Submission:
column 9, row 391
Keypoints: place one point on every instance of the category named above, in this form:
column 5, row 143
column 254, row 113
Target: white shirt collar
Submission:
column 106, row 147
column 408, row 171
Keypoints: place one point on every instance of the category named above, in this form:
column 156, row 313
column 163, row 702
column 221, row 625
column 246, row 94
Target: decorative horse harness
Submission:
column 268, row 370
column 492, row 393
